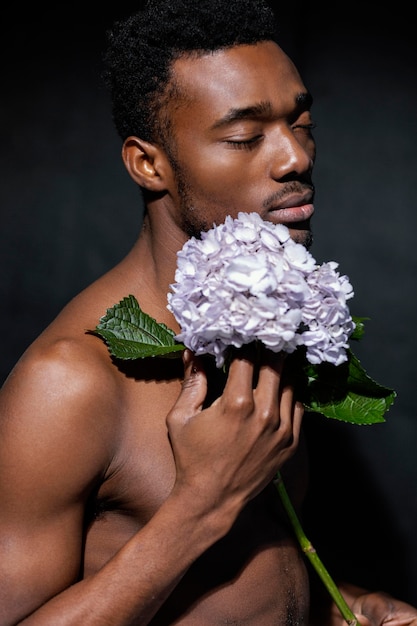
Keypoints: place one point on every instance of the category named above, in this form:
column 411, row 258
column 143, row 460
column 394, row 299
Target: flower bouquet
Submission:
column 246, row 281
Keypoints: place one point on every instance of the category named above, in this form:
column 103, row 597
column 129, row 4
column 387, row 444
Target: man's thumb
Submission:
column 194, row 387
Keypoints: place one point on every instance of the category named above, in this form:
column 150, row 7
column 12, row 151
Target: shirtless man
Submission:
column 127, row 496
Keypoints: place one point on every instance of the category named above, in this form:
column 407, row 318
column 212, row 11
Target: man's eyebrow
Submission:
column 243, row 113
column 303, row 101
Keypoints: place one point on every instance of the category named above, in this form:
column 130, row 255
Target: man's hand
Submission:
column 378, row 609
column 227, row 453
column 374, row 609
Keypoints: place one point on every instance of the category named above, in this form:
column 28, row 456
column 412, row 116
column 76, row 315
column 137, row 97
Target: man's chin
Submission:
column 303, row 236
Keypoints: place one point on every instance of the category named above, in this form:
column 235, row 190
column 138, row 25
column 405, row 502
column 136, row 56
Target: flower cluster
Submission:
column 247, row 280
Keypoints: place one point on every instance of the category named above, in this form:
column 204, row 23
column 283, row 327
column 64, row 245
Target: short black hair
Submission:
column 142, row 48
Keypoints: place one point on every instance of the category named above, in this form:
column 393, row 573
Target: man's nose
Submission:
column 293, row 155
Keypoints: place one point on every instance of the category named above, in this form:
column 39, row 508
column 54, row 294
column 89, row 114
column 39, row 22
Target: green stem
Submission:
column 311, row 554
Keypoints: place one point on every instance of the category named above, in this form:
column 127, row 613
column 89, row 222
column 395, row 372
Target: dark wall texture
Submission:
column 69, row 211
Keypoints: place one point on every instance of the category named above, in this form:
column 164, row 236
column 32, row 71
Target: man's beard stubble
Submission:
column 193, row 225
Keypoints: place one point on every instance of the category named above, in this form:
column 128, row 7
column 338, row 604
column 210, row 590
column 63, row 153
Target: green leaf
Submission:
column 359, row 327
column 345, row 392
column 132, row 334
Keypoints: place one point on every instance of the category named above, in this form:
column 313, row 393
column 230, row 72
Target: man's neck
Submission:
column 150, row 267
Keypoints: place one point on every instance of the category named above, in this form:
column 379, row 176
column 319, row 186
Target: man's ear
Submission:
column 146, row 163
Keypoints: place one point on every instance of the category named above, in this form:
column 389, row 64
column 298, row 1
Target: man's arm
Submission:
column 225, row 455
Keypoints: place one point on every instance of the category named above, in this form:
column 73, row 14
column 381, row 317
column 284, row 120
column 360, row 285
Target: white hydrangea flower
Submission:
column 247, row 280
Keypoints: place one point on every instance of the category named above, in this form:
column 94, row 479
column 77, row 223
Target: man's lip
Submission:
column 292, row 214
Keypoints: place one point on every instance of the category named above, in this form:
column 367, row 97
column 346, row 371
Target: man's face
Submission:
column 242, row 140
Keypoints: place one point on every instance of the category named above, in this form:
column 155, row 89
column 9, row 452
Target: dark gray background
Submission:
column 69, row 211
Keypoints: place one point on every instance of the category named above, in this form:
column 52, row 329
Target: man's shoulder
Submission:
column 65, row 377
column 59, row 422
column 71, row 359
